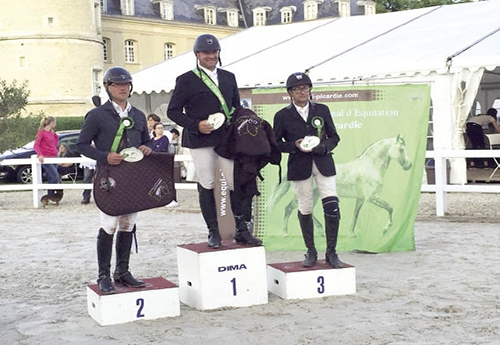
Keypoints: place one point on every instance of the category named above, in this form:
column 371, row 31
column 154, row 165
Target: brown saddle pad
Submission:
column 132, row 187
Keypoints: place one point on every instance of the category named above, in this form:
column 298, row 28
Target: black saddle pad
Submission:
column 132, row 187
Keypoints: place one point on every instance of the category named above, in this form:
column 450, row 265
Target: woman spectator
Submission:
column 46, row 141
column 160, row 141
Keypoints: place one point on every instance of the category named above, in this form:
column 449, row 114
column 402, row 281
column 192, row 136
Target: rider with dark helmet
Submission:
column 102, row 126
column 202, row 102
column 306, row 131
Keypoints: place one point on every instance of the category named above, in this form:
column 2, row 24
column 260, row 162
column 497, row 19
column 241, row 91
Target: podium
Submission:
column 158, row 299
column 289, row 280
column 230, row 276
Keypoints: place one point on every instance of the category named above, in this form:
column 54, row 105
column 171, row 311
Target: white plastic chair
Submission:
column 494, row 144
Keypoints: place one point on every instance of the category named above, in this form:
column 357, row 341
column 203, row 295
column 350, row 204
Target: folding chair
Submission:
column 494, row 144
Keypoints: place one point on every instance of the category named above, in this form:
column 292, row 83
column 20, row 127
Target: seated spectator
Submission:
column 66, row 168
column 475, row 129
column 152, row 119
column 173, row 137
column 160, row 141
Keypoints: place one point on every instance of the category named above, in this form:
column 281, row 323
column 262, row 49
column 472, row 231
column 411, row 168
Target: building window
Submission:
column 127, row 7
column 166, row 8
column 209, row 14
column 343, row 7
column 168, row 51
column 232, row 18
column 370, row 10
column 96, row 85
column 311, row 9
column 260, row 15
column 129, row 51
column 104, row 6
column 105, row 50
column 287, row 14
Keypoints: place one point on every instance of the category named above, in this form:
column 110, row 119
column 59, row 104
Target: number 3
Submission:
column 321, row 281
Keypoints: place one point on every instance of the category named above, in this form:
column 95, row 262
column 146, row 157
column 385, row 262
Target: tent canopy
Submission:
column 440, row 40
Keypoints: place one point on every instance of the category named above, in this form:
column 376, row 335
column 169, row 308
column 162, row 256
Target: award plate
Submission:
column 131, row 154
column 216, row 120
column 309, row 142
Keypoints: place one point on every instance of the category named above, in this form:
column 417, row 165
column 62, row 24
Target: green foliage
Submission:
column 69, row 122
column 13, row 98
column 17, row 131
column 384, row 6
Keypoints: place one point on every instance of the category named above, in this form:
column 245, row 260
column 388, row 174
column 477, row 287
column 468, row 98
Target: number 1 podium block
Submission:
column 289, row 280
column 231, row 276
column 159, row 298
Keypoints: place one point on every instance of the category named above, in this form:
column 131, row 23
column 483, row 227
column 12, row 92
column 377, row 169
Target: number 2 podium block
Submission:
column 159, row 298
column 231, row 276
column 289, row 280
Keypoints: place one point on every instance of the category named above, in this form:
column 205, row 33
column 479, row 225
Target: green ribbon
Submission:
column 125, row 123
column 317, row 122
column 215, row 89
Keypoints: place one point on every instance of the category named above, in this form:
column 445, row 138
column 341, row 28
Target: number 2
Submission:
column 140, row 303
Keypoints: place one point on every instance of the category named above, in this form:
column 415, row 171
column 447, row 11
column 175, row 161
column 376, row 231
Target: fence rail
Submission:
column 440, row 188
column 37, row 184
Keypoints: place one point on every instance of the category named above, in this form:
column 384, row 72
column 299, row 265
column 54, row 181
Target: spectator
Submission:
column 46, row 141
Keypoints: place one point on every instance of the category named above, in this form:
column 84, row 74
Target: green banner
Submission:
column 379, row 160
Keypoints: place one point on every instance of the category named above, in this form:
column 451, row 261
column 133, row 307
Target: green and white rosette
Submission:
column 125, row 123
column 317, row 122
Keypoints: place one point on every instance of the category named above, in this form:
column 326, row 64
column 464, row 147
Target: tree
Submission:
column 13, row 98
column 15, row 129
column 384, row 6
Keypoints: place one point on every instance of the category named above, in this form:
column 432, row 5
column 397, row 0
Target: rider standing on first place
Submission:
column 292, row 124
column 204, row 91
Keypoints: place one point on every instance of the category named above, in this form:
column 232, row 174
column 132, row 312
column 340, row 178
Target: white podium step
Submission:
column 289, row 280
column 159, row 298
column 231, row 276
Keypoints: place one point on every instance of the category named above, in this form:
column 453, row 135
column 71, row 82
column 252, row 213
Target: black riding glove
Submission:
column 319, row 150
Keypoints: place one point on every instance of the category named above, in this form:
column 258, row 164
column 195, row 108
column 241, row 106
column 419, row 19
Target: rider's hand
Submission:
column 204, row 127
column 319, row 150
column 114, row 158
column 297, row 143
column 146, row 150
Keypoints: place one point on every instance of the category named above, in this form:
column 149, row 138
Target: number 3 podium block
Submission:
column 159, row 298
column 231, row 276
column 289, row 280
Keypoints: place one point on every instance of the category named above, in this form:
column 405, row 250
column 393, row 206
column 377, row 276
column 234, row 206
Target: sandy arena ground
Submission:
column 447, row 291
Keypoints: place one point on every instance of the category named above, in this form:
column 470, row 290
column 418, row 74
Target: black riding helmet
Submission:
column 117, row 75
column 296, row 79
column 206, row 43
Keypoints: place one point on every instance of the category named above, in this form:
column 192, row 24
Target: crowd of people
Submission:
column 205, row 103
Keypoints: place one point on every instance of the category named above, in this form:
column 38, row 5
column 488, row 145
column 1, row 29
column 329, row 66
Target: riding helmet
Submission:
column 296, row 79
column 117, row 75
column 206, row 43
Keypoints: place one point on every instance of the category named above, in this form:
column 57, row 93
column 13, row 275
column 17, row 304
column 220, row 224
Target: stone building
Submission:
column 63, row 47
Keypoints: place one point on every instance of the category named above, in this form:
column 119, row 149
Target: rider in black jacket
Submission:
column 293, row 126
column 190, row 106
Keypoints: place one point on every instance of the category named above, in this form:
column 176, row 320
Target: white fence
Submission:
column 440, row 188
column 37, row 185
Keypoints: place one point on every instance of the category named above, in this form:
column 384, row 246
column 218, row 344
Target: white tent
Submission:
column 450, row 47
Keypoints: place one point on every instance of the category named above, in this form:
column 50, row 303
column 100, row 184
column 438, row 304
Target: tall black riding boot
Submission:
column 332, row 217
column 307, row 227
column 104, row 251
column 241, row 235
column 123, row 247
column 209, row 212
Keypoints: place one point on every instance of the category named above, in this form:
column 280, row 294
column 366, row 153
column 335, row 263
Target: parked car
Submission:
column 22, row 173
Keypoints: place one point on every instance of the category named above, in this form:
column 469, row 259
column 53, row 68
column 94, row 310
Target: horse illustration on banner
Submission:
column 361, row 179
